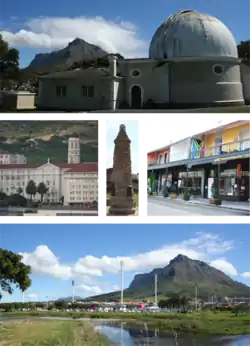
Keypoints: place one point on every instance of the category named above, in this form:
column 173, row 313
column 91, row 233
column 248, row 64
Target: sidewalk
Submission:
column 243, row 206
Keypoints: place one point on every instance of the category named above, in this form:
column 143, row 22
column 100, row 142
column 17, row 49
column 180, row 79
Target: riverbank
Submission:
column 30, row 332
column 220, row 323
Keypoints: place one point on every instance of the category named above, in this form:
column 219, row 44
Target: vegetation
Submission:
column 244, row 50
column 13, row 272
column 49, row 333
column 9, row 64
column 40, row 140
column 211, row 322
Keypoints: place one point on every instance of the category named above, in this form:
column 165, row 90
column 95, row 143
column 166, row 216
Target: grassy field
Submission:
column 49, row 333
column 224, row 323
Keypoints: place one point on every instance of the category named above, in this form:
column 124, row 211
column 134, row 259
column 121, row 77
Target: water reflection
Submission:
column 127, row 334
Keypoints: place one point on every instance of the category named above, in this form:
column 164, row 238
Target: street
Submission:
column 170, row 207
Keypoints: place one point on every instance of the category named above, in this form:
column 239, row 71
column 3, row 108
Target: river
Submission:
column 123, row 334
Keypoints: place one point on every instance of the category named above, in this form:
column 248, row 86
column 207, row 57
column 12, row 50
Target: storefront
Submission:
column 234, row 183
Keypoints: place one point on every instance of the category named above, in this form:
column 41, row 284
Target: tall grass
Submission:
column 49, row 333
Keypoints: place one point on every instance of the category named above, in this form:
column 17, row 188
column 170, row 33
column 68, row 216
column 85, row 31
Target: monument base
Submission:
column 121, row 211
column 122, row 206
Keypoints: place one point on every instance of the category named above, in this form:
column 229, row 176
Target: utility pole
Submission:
column 122, row 264
column 73, row 291
column 156, row 290
column 195, row 294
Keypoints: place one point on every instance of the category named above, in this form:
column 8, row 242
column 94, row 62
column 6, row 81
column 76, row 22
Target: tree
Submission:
column 16, row 200
column 9, row 62
column 13, row 272
column 42, row 189
column 61, row 305
column 31, row 189
column 19, row 191
column 244, row 50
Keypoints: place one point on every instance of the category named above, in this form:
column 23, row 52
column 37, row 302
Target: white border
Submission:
column 130, row 93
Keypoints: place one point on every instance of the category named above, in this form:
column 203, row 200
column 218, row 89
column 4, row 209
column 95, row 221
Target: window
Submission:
column 218, row 69
column 87, row 91
column 135, row 73
column 165, row 157
column 61, row 91
column 160, row 159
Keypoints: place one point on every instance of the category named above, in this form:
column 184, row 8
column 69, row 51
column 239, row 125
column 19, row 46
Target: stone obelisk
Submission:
column 122, row 198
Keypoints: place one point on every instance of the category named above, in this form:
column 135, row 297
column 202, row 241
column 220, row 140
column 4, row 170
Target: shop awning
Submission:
column 168, row 164
column 220, row 159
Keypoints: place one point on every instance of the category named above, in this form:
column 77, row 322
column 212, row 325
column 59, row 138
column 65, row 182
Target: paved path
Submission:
column 168, row 207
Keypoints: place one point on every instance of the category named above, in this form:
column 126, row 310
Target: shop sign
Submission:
column 220, row 159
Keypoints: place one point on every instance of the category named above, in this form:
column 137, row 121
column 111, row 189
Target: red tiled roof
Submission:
column 20, row 165
column 72, row 167
column 83, row 167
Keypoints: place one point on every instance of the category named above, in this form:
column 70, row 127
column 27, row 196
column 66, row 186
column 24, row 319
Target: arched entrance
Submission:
column 136, row 97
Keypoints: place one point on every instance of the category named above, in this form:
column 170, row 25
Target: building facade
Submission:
column 193, row 62
column 220, row 155
column 7, row 158
column 72, row 183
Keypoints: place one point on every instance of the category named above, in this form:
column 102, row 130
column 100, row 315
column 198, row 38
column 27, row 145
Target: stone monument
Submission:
column 122, row 198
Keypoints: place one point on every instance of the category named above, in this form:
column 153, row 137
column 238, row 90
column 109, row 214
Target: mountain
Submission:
column 70, row 298
column 41, row 135
column 77, row 50
column 180, row 277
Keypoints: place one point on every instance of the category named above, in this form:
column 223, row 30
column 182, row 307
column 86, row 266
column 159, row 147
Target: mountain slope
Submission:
column 75, row 51
column 180, row 277
column 41, row 135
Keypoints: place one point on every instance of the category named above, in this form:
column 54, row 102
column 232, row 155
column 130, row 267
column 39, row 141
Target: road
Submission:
column 168, row 207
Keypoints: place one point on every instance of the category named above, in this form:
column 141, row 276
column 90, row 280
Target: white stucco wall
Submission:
column 180, row 150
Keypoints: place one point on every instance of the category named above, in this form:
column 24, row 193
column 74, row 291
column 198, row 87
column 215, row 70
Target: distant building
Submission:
column 13, row 100
column 7, row 158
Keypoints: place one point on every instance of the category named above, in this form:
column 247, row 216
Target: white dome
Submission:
column 192, row 34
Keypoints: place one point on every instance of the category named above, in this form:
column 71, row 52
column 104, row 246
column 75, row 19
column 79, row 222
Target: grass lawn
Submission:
column 224, row 323
column 49, row 333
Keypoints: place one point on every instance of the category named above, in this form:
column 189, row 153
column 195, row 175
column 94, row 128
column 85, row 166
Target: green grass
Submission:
column 49, row 333
column 223, row 323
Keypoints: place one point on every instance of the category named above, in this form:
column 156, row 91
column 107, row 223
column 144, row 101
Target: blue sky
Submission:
column 91, row 254
column 123, row 26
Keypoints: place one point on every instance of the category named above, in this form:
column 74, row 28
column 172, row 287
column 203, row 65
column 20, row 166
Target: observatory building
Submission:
column 193, row 62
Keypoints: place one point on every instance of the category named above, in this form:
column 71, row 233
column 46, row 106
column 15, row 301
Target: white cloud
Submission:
column 246, row 275
column 32, row 296
column 89, row 268
column 90, row 289
column 225, row 266
column 44, row 261
column 57, row 32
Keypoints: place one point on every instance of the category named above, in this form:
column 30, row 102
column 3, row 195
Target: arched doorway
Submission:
column 136, row 97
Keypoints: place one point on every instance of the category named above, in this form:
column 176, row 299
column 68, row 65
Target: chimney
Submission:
column 112, row 65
